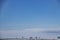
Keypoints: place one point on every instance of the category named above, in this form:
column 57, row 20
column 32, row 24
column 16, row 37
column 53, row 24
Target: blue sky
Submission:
column 25, row 14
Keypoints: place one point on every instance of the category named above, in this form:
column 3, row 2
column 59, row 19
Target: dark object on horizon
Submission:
column 1, row 39
column 35, row 38
column 30, row 38
column 58, row 37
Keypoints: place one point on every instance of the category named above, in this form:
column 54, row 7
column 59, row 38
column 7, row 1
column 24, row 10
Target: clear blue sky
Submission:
column 21, row 14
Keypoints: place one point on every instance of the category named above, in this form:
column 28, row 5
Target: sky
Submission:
column 20, row 15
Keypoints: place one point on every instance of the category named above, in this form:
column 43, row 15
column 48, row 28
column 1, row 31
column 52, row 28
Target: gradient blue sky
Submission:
column 25, row 14
column 19, row 14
